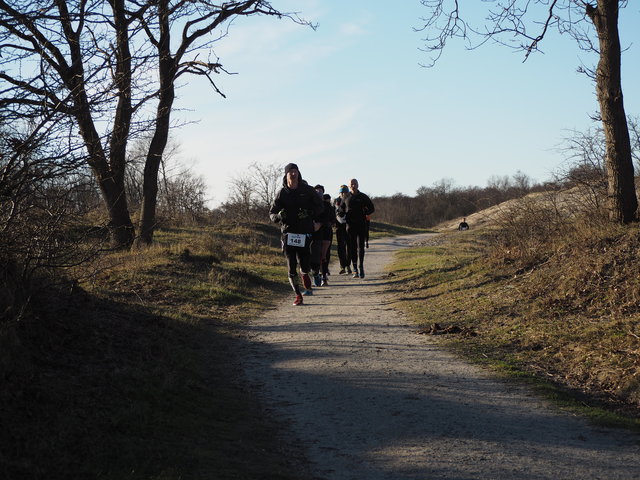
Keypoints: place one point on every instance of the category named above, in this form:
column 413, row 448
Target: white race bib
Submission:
column 296, row 239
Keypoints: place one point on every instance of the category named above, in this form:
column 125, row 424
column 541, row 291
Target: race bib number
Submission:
column 296, row 239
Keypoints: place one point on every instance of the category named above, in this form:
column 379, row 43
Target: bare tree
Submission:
column 523, row 25
column 181, row 192
column 42, row 195
column 240, row 201
column 105, row 71
column 182, row 197
column 267, row 181
column 634, row 132
column 586, row 153
column 522, row 182
column 253, row 191
column 136, row 159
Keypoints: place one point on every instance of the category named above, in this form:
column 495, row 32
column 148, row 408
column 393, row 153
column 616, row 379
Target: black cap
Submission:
column 290, row 166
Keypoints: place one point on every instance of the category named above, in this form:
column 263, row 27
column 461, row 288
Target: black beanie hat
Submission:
column 290, row 166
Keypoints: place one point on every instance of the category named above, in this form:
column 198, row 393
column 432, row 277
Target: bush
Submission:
column 530, row 230
column 42, row 198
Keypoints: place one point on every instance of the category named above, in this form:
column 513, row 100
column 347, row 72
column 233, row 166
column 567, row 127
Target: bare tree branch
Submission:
column 102, row 72
column 510, row 23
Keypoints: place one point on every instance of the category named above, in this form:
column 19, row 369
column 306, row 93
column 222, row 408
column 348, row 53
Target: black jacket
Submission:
column 340, row 213
column 357, row 206
column 329, row 220
column 296, row 210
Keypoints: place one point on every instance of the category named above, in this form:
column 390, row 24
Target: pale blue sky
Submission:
column 351, row 100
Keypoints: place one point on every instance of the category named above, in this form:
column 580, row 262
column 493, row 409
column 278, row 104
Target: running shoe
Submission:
column 324, row 281
column 307, row 292
column 355, row 273
column 298, row 300
column 317, row 280
column 306, row 281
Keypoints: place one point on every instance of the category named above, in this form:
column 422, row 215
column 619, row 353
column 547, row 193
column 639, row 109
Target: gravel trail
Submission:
column 366, row 398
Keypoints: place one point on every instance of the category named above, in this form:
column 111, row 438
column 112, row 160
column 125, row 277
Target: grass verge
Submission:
column 135, row 374
column 511, row 319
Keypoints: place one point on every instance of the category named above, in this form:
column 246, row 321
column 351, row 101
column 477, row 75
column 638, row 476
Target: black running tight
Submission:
column 357, row 235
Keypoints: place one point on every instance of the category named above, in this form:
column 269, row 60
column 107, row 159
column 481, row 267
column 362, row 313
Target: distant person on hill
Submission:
column 296, row 207
column 357, row 206
column 463, row 225
column 342, row 239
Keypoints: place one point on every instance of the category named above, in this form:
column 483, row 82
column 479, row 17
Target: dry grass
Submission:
column 134, row 373
column 548, row 294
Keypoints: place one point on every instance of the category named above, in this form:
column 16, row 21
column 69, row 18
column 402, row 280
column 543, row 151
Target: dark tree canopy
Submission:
column 96, row 74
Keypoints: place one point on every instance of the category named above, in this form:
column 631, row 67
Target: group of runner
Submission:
column 308, row 217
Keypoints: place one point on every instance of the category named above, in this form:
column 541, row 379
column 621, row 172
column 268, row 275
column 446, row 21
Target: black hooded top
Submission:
column 357, row 206
column 297, row 209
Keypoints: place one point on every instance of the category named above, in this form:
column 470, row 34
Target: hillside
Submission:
column 569, row 203
column 541, row 288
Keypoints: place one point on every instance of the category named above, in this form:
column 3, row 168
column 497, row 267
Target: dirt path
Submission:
column 367, row 398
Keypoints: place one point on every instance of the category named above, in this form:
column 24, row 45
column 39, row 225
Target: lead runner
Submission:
column 299, row 210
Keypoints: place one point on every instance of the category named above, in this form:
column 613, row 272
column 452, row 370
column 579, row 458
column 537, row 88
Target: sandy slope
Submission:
column 367, row 398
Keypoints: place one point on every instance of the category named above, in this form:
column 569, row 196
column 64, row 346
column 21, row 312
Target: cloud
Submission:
column 352, row 29
column 260, row 41
column 319, row 138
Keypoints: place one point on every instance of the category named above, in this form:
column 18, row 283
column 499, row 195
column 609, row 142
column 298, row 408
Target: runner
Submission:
column 316, row 245
column 357, row 206
column 327, row 237
column 366, row 235
column 342, row 238
column 295, row 207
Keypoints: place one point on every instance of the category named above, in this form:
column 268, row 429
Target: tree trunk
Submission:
column 123, row 232
column 167, row 71
column 150, row 188
column 120, row 225
column 622, row 198
column 110, row 180
column 110, row 176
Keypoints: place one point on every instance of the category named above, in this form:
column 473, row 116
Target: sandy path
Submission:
column 367, row 398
